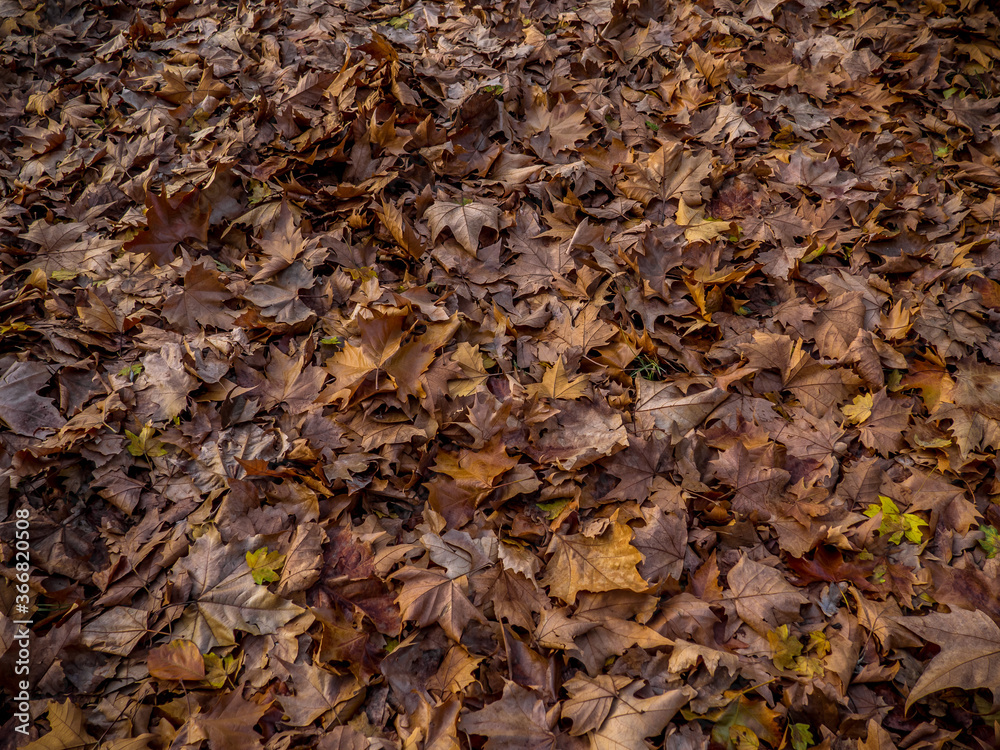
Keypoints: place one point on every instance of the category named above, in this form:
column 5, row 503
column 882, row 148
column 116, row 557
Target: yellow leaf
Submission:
column 698, row 228
column 860, row 410
column 143, row 444
column 786, row 648
column 264, row 565
column 68, row 731
column 556, row 384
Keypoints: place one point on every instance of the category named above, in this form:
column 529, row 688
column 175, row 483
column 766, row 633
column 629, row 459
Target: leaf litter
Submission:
column 614, row 374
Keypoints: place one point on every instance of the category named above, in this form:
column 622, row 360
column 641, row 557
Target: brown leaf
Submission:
column 762, row 597
column 517, row 721
column 663, row 544
column 171, row 220
column 465, row 220
column 201, row 303
column 969, row 656
column 884, row 429
column 226, row 596
column 291, row 382
column 67, row 729
column 317, row 692
column 759, row 487
column 428, row 597
column 632, row 719
column 230, row 723
column 280, row 299
column 21, row 408
column 590, row 700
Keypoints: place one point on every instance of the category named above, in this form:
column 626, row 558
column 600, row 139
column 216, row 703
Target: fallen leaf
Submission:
column 603, row 563
column 969, row 656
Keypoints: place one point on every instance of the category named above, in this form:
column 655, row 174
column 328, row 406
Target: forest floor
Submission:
column 552, row 375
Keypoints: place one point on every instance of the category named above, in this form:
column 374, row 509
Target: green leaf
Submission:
column 144, row 443
column 401, row 22
column 894, row 524
column 800, row 736
column 264, row 565
column 991, row 543
column 131, row 371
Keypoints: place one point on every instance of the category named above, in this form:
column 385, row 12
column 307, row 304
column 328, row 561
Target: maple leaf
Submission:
column 21, row 407
column 473, row 370
column 603, row 563
column 285, row 245
column 67, row 730
column 664, row 407
column 744, row 720
column 663, row 544
column 181, row 217
column 145, row 443
column 402, row 233
column 894, row 524
column 280, row 299
column 615, row 630
column 164, row 384
column 201, row 303
column 556, row 384
column 876, row 738
column 884, row 428
column 828, row 564
column 229, row 725
column 518, row 721
column 560, row 128
column 859, row 410
column 116, row 631
column 697, row 228
column 226, row 596
column 541, row 263
column 264, row 565
column 759, row 488
column 428, row 597
column 456, row 672
column 317, row 692
column 730, row 124
column 465, row 220
column 290, row 382
column 836, row 323
column 60, row 247
column 969, row 656
column 761, row 596
column 578, row 434
column 637, row 466
column 590, row 700
column 669, row 172
column 630, row 719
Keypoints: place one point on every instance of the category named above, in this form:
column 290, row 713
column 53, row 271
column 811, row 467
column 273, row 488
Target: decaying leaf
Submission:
column 580, row 375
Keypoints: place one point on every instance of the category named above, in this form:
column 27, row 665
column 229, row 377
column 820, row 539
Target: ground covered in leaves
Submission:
column 572, row 375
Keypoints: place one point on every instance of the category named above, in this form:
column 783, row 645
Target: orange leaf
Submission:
column 178, row 660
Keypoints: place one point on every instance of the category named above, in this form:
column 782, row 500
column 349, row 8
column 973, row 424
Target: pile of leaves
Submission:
column 602, row 374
